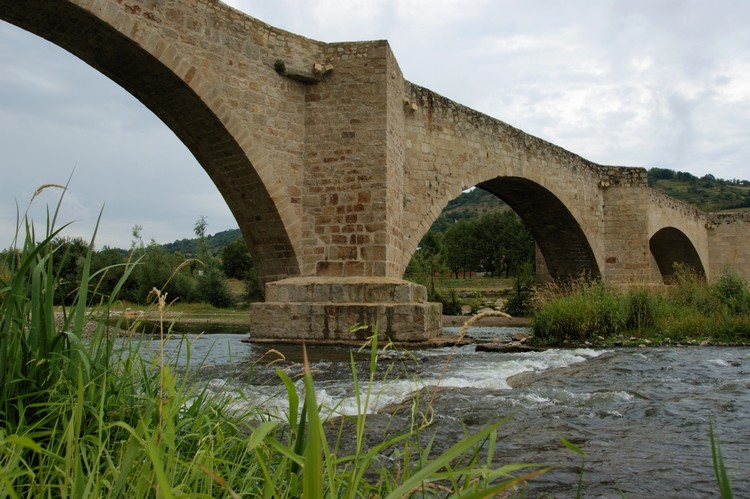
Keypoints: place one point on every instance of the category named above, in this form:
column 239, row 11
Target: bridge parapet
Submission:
column 662, row 200
column 621, row 176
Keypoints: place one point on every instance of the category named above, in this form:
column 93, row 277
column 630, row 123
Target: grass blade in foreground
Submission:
column 722, row 478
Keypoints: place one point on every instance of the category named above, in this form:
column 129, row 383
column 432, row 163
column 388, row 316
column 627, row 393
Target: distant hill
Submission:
column 216, row 243
column 707, row 193
column 470, row 204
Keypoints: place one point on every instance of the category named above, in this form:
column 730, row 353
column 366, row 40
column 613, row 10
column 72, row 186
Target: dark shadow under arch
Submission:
column 561, row 241
column 670, row 247
column 180, row 108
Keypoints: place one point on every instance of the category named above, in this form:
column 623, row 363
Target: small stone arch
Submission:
column 671, row 247
column 558, row 234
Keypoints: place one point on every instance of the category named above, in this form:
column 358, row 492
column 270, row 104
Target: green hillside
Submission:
column 470, row 204
column 707, row 193
column 216, row 243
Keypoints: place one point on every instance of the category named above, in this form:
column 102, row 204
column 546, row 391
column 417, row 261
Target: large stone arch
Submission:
column 563, row 244
column 140, row 58
column 558, row 234
column 559, row 195
column 670, row 247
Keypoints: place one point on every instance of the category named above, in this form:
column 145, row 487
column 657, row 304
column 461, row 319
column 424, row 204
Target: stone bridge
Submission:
column 335, row 167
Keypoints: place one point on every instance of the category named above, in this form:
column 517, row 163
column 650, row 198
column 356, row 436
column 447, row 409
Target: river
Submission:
column 640, row 415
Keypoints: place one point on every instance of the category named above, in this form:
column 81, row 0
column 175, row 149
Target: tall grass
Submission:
column 689, row 309
column 577, row 311
column 85, row 415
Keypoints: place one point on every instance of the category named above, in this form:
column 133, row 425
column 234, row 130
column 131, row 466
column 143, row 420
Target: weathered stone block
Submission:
column 327, row 309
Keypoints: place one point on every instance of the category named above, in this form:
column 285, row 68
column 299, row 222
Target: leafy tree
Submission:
column 236, row 260
column 68, row 257
column 111, row 263
column 520, row 301
column 212, row 285
column 213, row 288
column 460, row 247
column 429, row 259
column 157, row 268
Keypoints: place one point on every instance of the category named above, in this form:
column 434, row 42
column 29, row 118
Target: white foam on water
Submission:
column 493, row 371
column 719, row 362
column 465, row 369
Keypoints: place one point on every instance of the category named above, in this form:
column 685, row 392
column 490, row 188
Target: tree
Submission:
column 157, row 268
column 236, row 260
column 68, row 257
column 460, row 247
column 429, row 259
column 212, row 285
column 110, row 263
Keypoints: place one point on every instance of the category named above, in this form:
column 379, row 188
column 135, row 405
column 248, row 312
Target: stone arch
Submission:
column 669, row 247
column 188, row 106
column 558, row 234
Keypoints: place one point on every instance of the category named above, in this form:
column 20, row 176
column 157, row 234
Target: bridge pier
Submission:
column 345, row 309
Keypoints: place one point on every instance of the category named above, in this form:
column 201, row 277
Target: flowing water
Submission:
column 640, row 415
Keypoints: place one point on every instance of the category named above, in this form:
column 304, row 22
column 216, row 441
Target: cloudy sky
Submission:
column 631, row 82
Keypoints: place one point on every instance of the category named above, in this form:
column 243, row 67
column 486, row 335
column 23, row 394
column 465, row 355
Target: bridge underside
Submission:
column 559, row 236
column 671, row 249
column 176, row 103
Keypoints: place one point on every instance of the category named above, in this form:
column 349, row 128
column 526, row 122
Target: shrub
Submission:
column 213, row 288
column 253, row 288
column 731, row 291
column 451, row 305
column 643, row 307
column 589, row 309
column 520, row 302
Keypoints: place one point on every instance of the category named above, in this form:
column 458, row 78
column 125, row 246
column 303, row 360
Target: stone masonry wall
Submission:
column 450, row 148
column 627, row 254
column 728, row 238
column 346, row 220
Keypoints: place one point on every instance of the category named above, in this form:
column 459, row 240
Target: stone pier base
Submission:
column 323, row 308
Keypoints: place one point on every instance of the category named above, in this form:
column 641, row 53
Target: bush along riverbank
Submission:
column 689, row 311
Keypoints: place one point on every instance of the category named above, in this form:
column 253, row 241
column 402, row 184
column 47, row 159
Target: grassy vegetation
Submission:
column 84, row 415
column 690, row 310
column 707, row 193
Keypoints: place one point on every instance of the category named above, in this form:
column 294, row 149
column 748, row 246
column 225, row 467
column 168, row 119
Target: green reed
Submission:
column 688, row 309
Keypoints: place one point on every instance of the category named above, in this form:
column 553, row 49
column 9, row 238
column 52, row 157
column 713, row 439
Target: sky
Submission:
column 651, row 83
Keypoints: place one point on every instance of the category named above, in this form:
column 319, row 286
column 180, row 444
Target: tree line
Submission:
column 496, row 243
column 187, row 278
